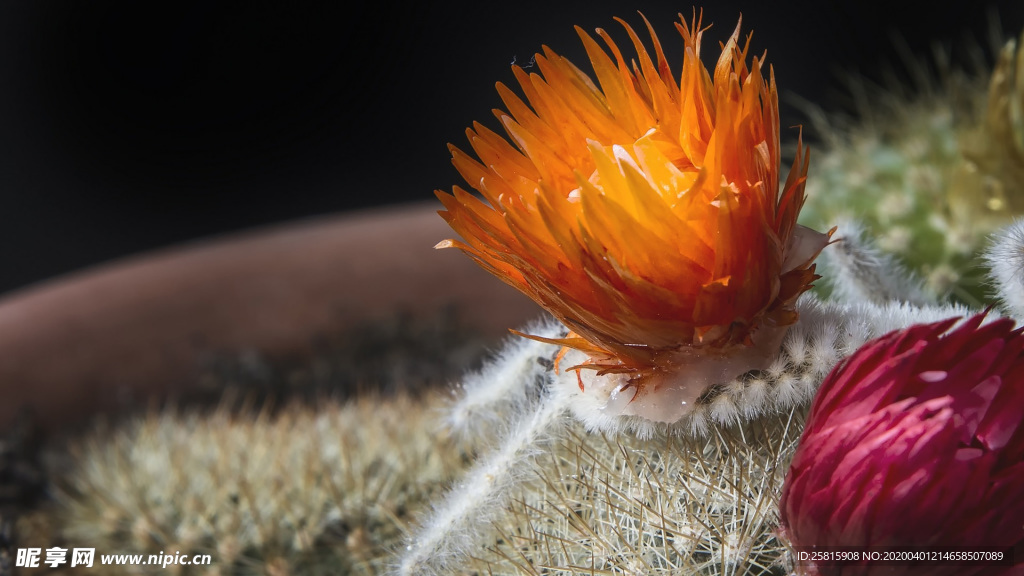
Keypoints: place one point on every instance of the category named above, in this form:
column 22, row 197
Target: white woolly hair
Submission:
column 460, row 518
column 858, row 271
column 1005, row 258
column 515, row 376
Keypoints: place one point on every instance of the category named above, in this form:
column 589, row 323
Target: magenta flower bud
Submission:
column 917, row 441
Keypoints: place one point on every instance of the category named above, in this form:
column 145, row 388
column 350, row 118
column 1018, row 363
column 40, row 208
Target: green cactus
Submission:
column 930, row 178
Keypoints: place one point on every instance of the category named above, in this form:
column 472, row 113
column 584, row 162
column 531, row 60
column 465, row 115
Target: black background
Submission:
column 130, row 125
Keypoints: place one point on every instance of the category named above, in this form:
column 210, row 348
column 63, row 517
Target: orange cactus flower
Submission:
column 644, row 212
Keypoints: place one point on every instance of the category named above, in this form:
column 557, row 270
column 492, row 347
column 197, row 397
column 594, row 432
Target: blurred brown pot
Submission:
column 139, row 327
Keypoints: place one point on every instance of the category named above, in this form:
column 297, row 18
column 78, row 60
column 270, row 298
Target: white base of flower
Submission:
column 667, row 396
column 826, row 333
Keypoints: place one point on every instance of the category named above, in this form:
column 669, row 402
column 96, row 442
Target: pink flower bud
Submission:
column 915, row 440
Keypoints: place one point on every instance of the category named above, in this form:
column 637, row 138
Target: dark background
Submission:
column 129, row 125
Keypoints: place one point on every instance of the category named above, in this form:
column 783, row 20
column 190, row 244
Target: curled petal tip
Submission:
column 805, row 245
